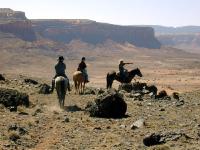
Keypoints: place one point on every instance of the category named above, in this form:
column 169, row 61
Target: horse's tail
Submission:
column 63, row 85
column 61, row 88
column 107, row 81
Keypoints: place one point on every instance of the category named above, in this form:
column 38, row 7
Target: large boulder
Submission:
column 2, row 78
column 44, row 89
column 108, row 105
column 132, row 87
column 12, row 98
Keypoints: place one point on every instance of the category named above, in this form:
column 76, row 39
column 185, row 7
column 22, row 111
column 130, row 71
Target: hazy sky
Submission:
column 124, row 12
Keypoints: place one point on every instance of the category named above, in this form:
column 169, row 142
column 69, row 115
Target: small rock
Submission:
column 97, row 128
column 138, row 124
column 162, row 109
column 23, row 113
column 161, row 95
column 44, row 89
column 14, row 136
column 31, row 81
column 175, row 95
column 137, row 95
column 66, row 120
column 122, row 126
column 37, row 111
column 180, row 103
column 152, row 139
column 2, row 78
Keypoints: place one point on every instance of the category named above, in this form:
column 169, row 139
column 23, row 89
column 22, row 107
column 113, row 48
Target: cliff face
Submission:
column 9, row 14
column 16, row 23
column 94, row 32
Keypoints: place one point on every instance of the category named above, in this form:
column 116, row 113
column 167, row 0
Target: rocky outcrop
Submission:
column 9, row 14
column 108, row 105
column 15, row 22
column 95, row 33
column 12, row 98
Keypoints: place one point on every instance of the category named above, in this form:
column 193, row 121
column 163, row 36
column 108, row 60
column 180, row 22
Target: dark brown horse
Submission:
column 111, row 76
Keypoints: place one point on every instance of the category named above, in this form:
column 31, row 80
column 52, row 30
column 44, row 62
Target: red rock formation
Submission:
column 94, row 32
column 17, row 24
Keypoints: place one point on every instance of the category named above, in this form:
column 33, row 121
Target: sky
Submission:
column 122, row 12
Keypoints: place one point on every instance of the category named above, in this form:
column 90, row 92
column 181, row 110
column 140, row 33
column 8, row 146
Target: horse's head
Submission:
column 136, row 72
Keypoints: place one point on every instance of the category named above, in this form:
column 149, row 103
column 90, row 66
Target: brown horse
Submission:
column 79, row 82
column 111, row 76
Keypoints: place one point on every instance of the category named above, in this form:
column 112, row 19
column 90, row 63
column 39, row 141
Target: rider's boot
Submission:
column 68, row 87
column 53, row 86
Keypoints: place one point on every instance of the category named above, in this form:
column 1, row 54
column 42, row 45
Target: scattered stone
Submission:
column 100, row 91
column 90, row 91
column 37, row 111
column 97, row 128
column 180, row 103
column 122, row 126
column 2, row 78
column 152, row 139
column 44, row 89
column 12, row 98
column 160, row 138
column 20, row 130
column 128, row 87
column 14, row 136
column 23, row 113
column 162, row 109
column 66, row 120
column 151, row 89
column 162, row 95
column 108, row 105
column 138, row 124
column 73, row 108
column 175, row 95
column 30, row 81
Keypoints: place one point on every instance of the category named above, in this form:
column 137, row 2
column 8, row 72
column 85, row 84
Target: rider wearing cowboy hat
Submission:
column 83, row 68
column 122, row 71
column 60, row 68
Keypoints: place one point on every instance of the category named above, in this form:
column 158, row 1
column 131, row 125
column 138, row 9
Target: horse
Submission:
column 79, row 82
column 111, row 76
column 61, row 85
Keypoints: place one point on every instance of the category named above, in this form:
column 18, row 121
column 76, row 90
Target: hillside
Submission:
column 186, row 38
column 94, row 32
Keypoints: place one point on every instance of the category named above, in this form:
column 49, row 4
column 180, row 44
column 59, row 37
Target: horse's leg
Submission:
column 75, row 87
column 83, row 87
column 78, row 87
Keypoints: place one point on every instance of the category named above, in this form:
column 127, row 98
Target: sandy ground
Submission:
column 49, row 127
column 168, row 69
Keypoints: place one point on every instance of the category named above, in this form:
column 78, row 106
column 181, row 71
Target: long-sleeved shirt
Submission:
column 60, row 68
column 82, row 66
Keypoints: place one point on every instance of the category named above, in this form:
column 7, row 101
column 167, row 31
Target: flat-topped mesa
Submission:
column 95, row 32
column 7, row 13
column 16, row 23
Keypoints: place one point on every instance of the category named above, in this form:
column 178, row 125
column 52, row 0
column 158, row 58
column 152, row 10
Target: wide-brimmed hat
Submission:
column 60, row 58
column 83, row 58
column 121, row 61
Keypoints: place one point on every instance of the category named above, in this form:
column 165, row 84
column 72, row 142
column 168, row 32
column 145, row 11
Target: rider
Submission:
column 60, row 71
column 122, row 71
column 83, row 68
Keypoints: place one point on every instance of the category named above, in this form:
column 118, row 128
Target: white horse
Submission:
column 61, row 85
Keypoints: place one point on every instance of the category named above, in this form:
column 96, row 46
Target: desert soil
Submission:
column 49, row 127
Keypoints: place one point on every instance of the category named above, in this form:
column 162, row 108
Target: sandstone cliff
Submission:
column 15, row 22
column 94, row 32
